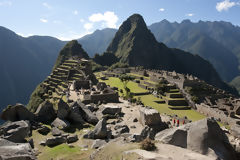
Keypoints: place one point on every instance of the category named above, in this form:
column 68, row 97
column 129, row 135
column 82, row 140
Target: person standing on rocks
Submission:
column 177, row 122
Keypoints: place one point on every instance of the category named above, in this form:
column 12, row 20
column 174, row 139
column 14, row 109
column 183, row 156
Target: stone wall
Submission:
column 216, row 113
column 108, row 97
column 78, row 84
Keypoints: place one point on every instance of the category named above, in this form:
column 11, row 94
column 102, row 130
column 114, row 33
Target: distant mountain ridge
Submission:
column 136, row 45
column 207, row 39
column 98, row 41
column 24, row 63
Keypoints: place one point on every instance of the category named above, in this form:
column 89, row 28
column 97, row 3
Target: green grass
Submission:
column 63, row 151
column 116, row 82
column 149, row 100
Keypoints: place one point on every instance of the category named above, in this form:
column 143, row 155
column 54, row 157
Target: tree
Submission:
column 125, row 79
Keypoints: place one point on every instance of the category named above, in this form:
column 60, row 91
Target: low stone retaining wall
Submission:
column 216, row 113
column 177, row 102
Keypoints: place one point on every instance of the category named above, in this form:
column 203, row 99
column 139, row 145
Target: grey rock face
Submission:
column 15, row 131
column 72, row 138
column 17, row 113
column 56, row 131
column 15, row 151
column 99, row 132
column 63, row 109
column 45, row 112
column 110, row 109
column 150, row 117
column 98, row 143
column 44, row 130
column 88, row 116
column 60, row 124
column 75, row 114
column 54, row 141
column 235, row 130
column 203, row 136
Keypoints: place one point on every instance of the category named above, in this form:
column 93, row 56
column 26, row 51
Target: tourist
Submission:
column 177, row 122
column 174, row 122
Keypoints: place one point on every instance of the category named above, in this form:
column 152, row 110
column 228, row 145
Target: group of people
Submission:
column 176, row 122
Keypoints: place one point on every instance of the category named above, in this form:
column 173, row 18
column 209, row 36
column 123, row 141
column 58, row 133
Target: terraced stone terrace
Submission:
column 158, row 102
column 58, row 81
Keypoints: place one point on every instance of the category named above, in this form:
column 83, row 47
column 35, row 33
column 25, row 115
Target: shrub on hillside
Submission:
column 148, row 144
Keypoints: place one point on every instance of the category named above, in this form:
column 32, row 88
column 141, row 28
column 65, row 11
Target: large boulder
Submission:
column 72, row 138
column 60, row 124
column 15, row 151
column 98, row 143
column 44, row 130
column 15, row 131
column 150, row 117
column 111, row 109
column 16, row 113
column 99, row 132
column 203, row 136
column 54, row 141
column 45, row 112
column 63, row 109
column 75, row 114
column 87, row 115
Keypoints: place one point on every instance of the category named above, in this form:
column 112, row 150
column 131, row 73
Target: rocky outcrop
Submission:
column 204, row 136
column 15, row 151
column 60, row 124
column 150, row 117
column 110, row 109
column 15, row 131
column 54, row 141
column 235, row 130
column 87, row 115
column 45, row 112
column 75, row 115
column 98, row 143
column 56, row 131
column 99, row 132
column 17, row 113
column 63, row 109
column 44, row 130
column 72, row 138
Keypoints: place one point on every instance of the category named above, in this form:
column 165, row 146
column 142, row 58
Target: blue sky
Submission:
column 71, row 19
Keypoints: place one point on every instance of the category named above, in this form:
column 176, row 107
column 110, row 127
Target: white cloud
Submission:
column 109, row 18
column 88, row 26
column 225, row 5
column 190, row 14
column 43, row 20
column 5, row 3
column 161, row 9
column 75, row 12
column 47, row 5
column 82, row 20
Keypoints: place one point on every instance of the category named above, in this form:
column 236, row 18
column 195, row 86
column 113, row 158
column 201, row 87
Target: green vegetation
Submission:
column 116, row 82
column 36, row 98
column 150, row 100
column 63, row 151
column 118, row 65
column 71, row 49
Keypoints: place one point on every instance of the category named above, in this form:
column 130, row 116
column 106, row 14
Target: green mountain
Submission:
column 210, row 40
column 24, row 63
column 136, row 45
column 98, row 41
column 72, row 50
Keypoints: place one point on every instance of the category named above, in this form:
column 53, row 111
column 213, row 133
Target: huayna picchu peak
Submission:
column 139, row 99
column 136, row 45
